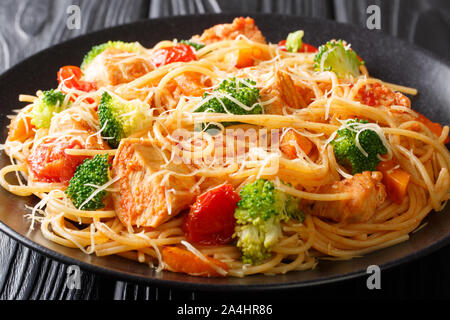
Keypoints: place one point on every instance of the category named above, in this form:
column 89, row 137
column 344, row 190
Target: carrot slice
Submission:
column 396, row 180
column 183, row 261
column 289, row 142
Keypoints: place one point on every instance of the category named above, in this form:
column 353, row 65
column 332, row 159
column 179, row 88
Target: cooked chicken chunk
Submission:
column 230, row 31
column 368, row 193
column 114, row 66
column 81, row 122
column 189, row 84
column 288, row 93
column 146, row 198
column 377, row 94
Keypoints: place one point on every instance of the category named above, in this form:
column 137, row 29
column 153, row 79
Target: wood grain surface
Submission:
column 29, row 26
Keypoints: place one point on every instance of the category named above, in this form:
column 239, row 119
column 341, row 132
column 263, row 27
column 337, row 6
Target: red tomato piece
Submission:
column 307, row 48
column 211, row 219
column 282, row 45
column 178, row 53
column 70, row 76
column 50, row 163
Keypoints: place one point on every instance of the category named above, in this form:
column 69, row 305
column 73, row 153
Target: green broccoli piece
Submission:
column 258, row 215
column 96, row 50
column 334, row 56
column 119, row 118
column 46, row 106
column 294, row 41
column 195, row 45
column 89, row 175
column 255, row 241
column 347, row 152
column 243, row 91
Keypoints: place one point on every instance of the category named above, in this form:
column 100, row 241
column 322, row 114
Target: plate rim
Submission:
column 136, row 278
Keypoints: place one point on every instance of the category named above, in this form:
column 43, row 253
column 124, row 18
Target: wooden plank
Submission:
column 311, row 8
column 29, row 26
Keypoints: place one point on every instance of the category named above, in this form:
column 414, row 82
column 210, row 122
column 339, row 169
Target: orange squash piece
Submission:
column 183, row 261
column 289, row 142
column 434, row 127
column 20, row 129
column 244, row 57
column 396, row 180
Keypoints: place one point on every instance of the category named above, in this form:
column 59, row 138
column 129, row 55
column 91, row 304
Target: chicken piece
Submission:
column 288, row 93
column 114, row 66
column 141, row 199
column 189, row 84
column 368, row 193
column 377, row 94
column 81, row 122
column 230, row 31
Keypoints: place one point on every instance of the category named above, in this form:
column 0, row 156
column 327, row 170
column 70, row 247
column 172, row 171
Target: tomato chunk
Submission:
column 211, row 219
column 306, row 48
column 177, row 53
column 70, row 76
column 50, row 163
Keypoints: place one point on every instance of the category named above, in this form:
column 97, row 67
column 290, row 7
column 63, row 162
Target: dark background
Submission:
column 30, row 26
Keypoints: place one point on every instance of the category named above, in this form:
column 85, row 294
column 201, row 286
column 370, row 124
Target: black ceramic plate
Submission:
column 386, row 58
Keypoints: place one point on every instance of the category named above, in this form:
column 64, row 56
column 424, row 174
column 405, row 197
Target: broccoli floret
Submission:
column 96, row 50
column 195, row 45
column 49, row 103
column 335, row 56
column 243, row 91
column 294, row 41
column 347, row 152
column 120, row 118
column 89, row 175
column 258, row 215
column 255, row 241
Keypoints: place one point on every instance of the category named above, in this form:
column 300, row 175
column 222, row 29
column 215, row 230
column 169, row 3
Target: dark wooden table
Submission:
column 28, row 26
